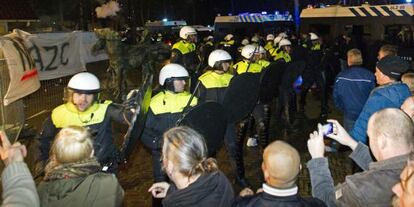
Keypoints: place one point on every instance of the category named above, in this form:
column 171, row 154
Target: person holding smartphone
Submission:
column 391, row 133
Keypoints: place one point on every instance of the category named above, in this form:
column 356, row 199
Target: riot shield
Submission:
column 270, row 81
column 209, row 119
column 142, row 100
column 241, row 96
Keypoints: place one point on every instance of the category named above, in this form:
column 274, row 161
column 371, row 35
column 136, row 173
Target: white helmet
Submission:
column 283, row 35
column 228, row 37
column 85, row 83
column 255, row 39
column 277, row 40
column 261, row 50
column 187, row 30
column 217, row 56
column 270, row 37
column 284, row 42
column 172, row 70
column 313, row 36
column 248, row 51
column 245, row 41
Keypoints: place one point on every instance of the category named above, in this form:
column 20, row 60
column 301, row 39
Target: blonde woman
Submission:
column 196, row 180
column 73, row 176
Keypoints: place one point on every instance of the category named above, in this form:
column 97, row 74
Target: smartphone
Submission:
column 327, row 129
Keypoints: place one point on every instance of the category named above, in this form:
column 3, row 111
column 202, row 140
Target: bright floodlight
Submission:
column 165, row 19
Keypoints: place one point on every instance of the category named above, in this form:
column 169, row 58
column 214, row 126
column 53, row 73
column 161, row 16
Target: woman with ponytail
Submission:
column 196, row 179
column 73, row 176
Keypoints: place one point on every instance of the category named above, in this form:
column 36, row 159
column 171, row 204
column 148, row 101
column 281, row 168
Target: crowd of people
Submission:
column 79, row 160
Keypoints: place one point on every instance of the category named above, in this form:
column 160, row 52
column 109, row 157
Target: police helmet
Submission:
column 255, row 39
column 218, row 56
column 248, row 51
column 84, row 83
column 313, row 36
column 187, row 30
column 284, row 42
column 171, row 71
column 270, row 37
column 228, row 37
column 283, row 35
column 245, row 41
column 261, row 50
column 277, row 40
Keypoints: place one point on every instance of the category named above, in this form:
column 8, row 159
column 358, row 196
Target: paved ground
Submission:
column 136, row 175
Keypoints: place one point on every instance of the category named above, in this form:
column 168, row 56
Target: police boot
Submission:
column 302, row 101
column 263, row 135
column 239, row 161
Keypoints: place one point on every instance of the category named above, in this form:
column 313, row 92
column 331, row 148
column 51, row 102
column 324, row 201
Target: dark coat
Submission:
column 209, row 190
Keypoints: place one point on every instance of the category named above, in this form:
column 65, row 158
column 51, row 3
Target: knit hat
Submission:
column 393, row 66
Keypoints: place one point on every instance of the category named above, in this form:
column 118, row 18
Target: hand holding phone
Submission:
column 327, row 129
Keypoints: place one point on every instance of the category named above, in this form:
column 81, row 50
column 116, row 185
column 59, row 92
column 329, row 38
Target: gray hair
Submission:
column 187, row 149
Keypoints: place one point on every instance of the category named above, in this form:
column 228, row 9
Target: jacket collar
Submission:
column 280, row 192
column 390, row 163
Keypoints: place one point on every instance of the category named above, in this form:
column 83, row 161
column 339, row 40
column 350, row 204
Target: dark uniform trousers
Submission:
column 314, row 73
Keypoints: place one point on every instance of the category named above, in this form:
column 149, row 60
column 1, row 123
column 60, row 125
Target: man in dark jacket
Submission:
column 389, row 94
column 352, row 88
column 391, row 133
column 281, row 166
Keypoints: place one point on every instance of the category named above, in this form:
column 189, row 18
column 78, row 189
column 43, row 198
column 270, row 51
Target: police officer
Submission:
column 165, row 109
column 248, row 63
column 314, row 73
column 205, row 49
column 184, row 51
column 215, row 81
column 269, row 42
column 275, row 50
column 83, row 108
column 228, row 45
column 285, row 48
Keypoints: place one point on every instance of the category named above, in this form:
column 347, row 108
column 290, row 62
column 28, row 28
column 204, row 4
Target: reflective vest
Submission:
column 210, row 43
column 268, row 46
column 243, row 67
column 67, row 114
column 184, row 47
column 274, row 52
column 263, row 63
column 283, row 55
column 169, row 102
column 210, row 79
column 227, row 43
column 317, row 46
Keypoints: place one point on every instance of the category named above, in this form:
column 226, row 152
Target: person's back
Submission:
column 352, row 88
column 281, row 166
column 73, row 176
column 96, row 189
